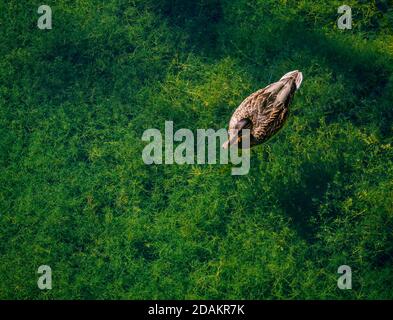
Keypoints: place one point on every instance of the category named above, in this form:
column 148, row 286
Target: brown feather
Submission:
column 267, row 108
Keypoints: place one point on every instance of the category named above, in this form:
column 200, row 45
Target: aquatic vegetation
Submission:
column 76, row 195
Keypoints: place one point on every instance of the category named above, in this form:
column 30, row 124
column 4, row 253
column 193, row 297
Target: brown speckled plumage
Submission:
column 265, row 111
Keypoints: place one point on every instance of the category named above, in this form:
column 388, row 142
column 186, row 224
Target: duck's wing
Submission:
column 269, row 120
column 254, row 104
column 274, row 110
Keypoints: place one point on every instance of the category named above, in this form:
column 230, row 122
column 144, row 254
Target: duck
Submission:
column 264, row 112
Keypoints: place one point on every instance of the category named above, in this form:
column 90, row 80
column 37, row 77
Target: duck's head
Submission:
column 236, row 133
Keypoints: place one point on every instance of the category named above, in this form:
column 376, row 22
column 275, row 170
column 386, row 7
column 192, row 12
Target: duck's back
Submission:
column 267, row 109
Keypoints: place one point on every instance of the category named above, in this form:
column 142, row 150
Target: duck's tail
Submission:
column 296, row 75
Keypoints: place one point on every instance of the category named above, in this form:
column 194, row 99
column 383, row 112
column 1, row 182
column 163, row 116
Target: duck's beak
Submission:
column 234, row 136
column 230, row 142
